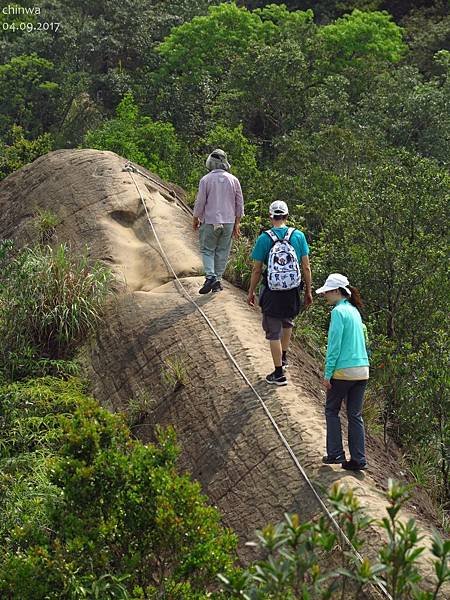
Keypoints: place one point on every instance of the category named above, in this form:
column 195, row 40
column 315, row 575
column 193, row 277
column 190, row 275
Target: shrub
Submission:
column 45, row 225
column 100, row 514
column 299, row 557
column 308, row 331
column 414, row 388
column 31, row 433
column 239, row 267
column 152, row 144
column 49, row 301
column 18, row 151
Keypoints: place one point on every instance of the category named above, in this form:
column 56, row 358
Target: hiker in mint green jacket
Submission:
column 346, row 372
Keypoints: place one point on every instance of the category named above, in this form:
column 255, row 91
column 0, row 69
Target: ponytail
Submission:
column 355, row 297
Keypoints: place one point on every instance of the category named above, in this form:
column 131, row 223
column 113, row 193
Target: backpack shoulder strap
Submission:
column 273, row 236
column 289, row 233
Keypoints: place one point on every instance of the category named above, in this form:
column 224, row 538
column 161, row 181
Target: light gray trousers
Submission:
column 215, row 246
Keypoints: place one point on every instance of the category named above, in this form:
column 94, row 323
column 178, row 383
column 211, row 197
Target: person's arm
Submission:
column 335, row 332
column 238, row 209
column 256, row 275
column 199, row 206
column 306, row 270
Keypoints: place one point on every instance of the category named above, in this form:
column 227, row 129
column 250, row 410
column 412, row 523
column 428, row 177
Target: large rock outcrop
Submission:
column 228, row 443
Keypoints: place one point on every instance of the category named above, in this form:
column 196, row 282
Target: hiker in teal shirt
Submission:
column 346, row 347
column 346, row 372
column 279, row 307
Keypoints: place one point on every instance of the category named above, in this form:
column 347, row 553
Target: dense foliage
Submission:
column 341, row 108
column 299, row 561
column 89, row 512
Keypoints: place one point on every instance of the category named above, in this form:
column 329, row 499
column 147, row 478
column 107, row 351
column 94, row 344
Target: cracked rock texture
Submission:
column 152, row 329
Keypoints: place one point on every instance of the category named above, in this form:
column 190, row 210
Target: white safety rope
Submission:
column 131, row 168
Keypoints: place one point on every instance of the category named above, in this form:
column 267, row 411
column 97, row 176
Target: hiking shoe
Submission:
column 280, row 380
column 216, row 287
column 352, row 465
column 208, row 285
column 284, row 363
column 330, row 460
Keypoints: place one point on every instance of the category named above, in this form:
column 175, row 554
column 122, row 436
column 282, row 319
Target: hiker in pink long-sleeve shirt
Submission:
column 217, row 214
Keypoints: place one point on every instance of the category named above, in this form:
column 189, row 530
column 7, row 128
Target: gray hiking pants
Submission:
column 215, row 246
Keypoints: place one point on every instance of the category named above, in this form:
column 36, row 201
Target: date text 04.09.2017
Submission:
column 28, row 26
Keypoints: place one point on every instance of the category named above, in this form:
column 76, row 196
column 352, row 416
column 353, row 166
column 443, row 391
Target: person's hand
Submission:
column 308, row 299
column 326, row 384
column 251, row 299
column 195, row 223
column 236, row 230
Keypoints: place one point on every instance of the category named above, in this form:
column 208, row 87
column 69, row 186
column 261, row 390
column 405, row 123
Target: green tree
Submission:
column 408, row 111
column 324, row 10
column 209, row 44
column 359, row 45
column 27, row 90
column 17, row 151
column 154, row 145
column 267, row 89
column 427, row 32
column 98, row 53
column 196, row 58
column 395, row 214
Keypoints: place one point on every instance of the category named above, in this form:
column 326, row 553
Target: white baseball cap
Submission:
column 278, row 208
column 333, row 282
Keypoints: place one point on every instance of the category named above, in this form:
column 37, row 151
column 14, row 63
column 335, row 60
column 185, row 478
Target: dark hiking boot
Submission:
column 331, row 460
column 216, row 287
column 284, row 362
column 208, row 285
column 276, row 379
column 352, row 465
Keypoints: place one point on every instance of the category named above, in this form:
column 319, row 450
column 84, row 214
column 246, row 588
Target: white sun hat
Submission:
column 333, row 282
column 278, row 208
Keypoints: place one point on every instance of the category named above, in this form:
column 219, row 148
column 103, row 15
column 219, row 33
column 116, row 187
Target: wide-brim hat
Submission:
column 218, row 160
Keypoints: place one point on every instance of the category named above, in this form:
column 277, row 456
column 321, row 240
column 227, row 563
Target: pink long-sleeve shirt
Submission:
column 219, row 198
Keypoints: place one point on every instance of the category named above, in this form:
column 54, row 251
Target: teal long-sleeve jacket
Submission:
column 346, row 342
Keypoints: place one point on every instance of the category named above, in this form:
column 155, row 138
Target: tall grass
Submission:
column 44, row 226
column 239, row 267
column 50, row 300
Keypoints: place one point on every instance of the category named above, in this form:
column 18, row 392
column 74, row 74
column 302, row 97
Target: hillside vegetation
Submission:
column 339, row 108
column 89, row 511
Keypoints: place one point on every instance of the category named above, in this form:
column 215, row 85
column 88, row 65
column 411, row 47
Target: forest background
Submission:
column 339, row 108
